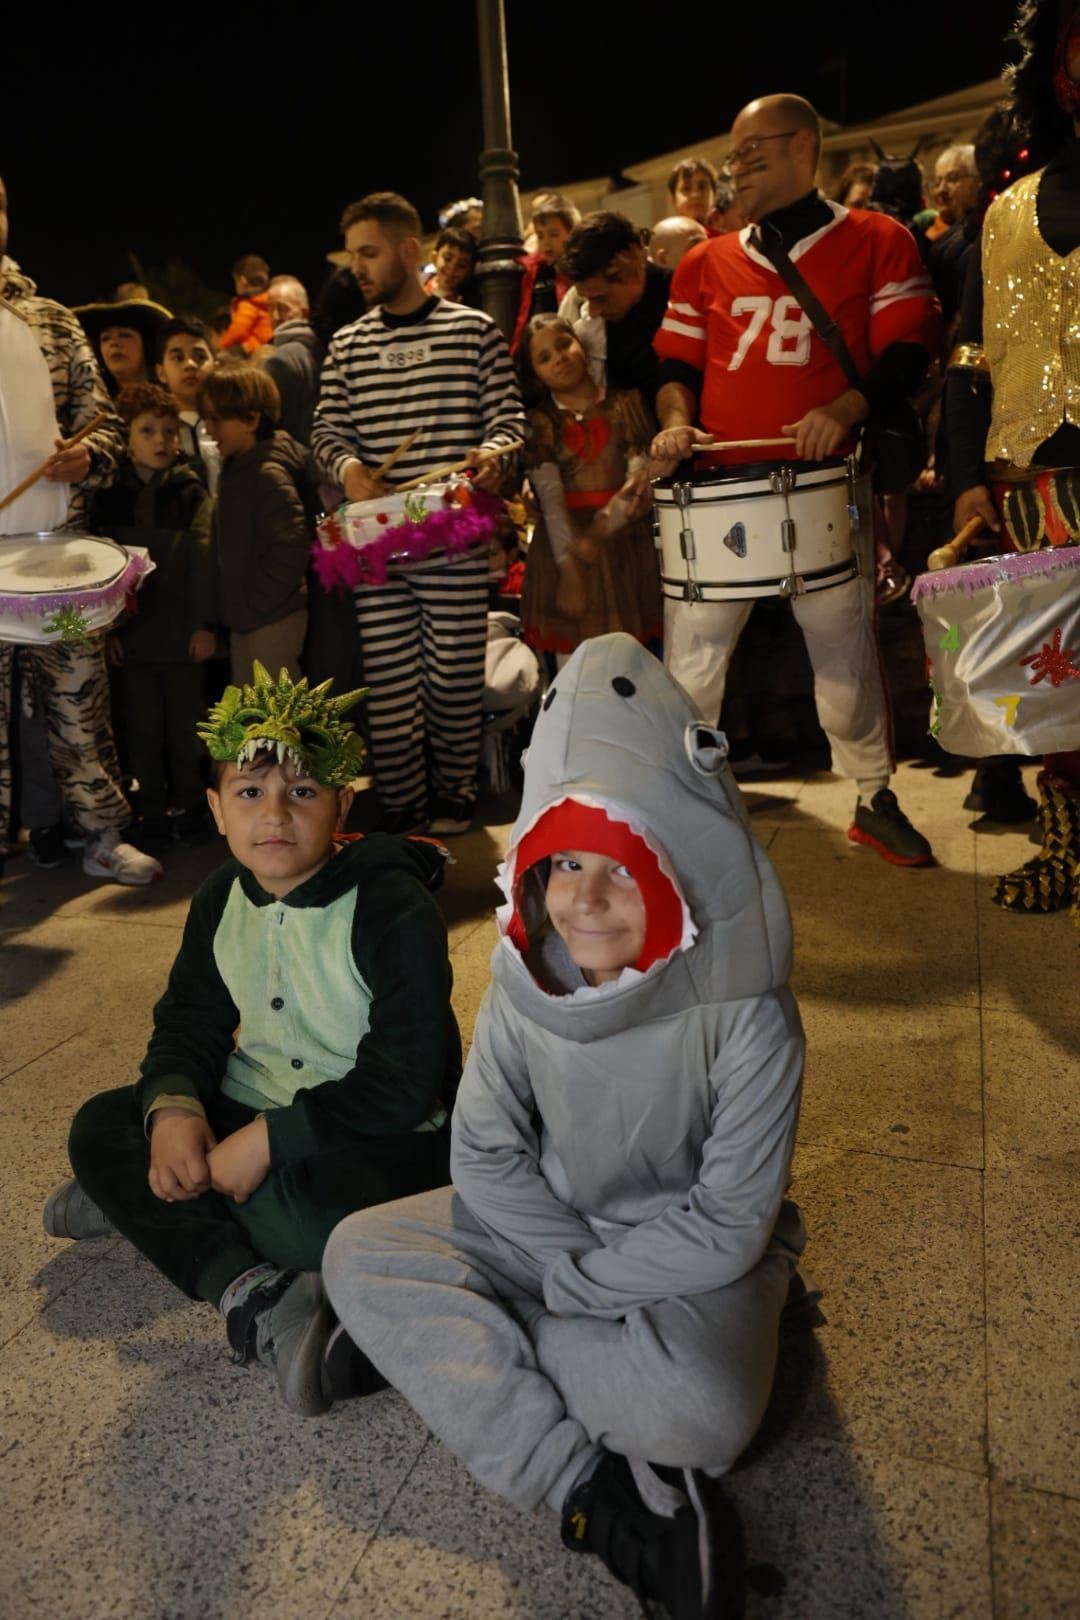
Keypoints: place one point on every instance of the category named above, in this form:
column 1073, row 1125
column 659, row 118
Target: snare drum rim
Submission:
column 52, row 536
column 753, row 472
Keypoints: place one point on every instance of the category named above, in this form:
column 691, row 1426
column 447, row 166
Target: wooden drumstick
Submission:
column 456, row 466
column 39, row 472
column 739, row 444
column 952, row 552
column 395, row 455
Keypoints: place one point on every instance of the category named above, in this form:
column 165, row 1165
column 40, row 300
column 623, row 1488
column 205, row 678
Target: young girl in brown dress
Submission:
column 592, row 564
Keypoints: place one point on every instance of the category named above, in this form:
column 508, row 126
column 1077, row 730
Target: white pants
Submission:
column 849, row 686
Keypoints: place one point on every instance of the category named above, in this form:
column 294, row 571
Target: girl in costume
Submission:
column 592, row 565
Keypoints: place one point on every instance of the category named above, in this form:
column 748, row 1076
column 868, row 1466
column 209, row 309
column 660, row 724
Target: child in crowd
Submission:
column 161, row 503
column 592, row 564
column 304, row 1053
column 261, row 528
column 250, row 326
column 187, row 359
column 670, row 239
column 455, row 260
column 588, row 1317
column 543, row 286
column 692, row 188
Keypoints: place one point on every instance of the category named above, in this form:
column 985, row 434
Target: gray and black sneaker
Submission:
column 69, row 1213
column 284, row 1323
column 657, row 1538
column 883, row 827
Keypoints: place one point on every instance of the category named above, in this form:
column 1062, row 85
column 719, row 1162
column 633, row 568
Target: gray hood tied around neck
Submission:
column 632, row 1142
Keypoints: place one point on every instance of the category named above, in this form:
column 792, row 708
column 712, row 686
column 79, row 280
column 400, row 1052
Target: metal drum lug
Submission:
column 686, row 545
column 787, row 534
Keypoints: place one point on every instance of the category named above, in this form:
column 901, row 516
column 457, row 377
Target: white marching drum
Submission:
column 768, row 529
column 64, row 587
column 1003, row 645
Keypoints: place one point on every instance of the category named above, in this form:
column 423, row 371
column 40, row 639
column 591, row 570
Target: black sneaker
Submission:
column 451, row 816
column 883, row 827
column 997, row 792
column 663, row 1551
column 47, row 847
column 403, row 823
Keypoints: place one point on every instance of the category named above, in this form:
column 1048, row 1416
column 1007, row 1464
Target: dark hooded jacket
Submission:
column 632, row 1142
column 262, row 535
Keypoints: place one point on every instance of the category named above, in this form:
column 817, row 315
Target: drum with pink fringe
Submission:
column 363, row 541
column 65, row 587
column 1003, row 644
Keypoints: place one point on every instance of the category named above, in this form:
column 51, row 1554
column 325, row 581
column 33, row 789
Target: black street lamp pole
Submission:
column 497, row 268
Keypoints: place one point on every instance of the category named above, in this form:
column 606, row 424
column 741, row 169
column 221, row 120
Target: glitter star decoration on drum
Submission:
column 1054, row 663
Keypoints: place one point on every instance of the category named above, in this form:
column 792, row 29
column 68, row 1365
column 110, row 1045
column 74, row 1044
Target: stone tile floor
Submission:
column 921, row 1458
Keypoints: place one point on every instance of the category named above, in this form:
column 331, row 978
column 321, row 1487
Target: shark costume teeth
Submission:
column 291, row 720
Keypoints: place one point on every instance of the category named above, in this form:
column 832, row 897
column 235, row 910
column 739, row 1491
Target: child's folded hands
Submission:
column 240, row 1163
column 179, row 1144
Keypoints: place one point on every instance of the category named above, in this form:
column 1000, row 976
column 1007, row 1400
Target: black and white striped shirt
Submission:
column 443, row 368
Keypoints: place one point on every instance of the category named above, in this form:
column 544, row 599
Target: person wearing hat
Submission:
column 126, row 337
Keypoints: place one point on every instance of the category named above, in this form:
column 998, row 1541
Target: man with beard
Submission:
column 416, row 362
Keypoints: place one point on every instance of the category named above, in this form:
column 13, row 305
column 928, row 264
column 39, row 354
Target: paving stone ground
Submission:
column 921, row 1458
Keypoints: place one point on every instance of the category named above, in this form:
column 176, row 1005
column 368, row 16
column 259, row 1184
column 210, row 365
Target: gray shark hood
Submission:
column 617, row 732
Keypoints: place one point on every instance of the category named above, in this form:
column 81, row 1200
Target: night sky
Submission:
column 247, row 129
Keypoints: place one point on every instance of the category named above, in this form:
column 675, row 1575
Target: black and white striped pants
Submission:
column 423, row 637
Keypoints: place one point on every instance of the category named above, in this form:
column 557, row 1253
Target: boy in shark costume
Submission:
column 588, row 1318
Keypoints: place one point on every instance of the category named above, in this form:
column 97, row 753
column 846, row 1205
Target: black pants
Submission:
column 162, row 703
column 203, row 1244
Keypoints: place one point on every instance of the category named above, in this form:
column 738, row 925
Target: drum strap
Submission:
column 770, row 245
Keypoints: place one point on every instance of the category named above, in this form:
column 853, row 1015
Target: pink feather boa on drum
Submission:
column 452, row 528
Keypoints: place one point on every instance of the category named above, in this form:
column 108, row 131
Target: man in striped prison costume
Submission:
column 416, row 362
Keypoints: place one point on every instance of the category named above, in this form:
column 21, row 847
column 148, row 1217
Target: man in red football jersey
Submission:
column 741, row 357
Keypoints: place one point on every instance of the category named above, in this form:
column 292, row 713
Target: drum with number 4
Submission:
column 767, row 529
column 1003, row 646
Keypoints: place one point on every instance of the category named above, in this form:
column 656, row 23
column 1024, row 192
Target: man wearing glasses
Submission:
column 741, row 359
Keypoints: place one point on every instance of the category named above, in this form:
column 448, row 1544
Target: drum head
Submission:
column 46, row 565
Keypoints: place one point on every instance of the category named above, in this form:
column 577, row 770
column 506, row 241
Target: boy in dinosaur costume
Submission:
column 304, row 1055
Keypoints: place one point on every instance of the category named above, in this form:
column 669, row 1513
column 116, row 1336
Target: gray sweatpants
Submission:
column 527, row 1399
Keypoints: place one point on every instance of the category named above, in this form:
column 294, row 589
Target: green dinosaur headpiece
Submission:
column 296, row 722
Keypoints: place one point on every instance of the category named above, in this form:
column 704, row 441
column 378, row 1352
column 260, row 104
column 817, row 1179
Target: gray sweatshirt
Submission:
column 632, row 1142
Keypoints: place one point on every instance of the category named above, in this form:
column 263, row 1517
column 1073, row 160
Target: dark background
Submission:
column 230, row 130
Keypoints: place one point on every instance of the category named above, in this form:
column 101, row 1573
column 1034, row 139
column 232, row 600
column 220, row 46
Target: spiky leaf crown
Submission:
column 294, row 721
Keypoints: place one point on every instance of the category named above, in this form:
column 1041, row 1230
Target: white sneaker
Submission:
column 107, row 857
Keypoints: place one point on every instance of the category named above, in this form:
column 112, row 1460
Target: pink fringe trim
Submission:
column 455, row 530
column 45, row 603
column 1006, row 570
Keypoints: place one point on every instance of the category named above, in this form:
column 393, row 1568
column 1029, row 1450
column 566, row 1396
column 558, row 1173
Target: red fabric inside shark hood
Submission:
column 571, row 825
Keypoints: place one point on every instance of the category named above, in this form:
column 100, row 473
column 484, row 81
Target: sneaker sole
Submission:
column 92, row 869
column 857, row 836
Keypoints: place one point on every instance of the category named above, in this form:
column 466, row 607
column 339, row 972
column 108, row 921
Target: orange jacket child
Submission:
column 250, row 325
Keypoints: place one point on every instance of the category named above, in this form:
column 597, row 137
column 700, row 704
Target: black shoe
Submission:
column 451, row 816
column 997, row 792
column 883, row 827
column 664, row 1553
column 47, row 847
column 152, row 833
column 346, row 1371
column 403, row 823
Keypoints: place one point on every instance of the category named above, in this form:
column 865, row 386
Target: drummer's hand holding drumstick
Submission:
column 487, row 467
column 825, row 429
column 976, row 502
column 70, row 464
column 359, row 483
column 672, row 445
